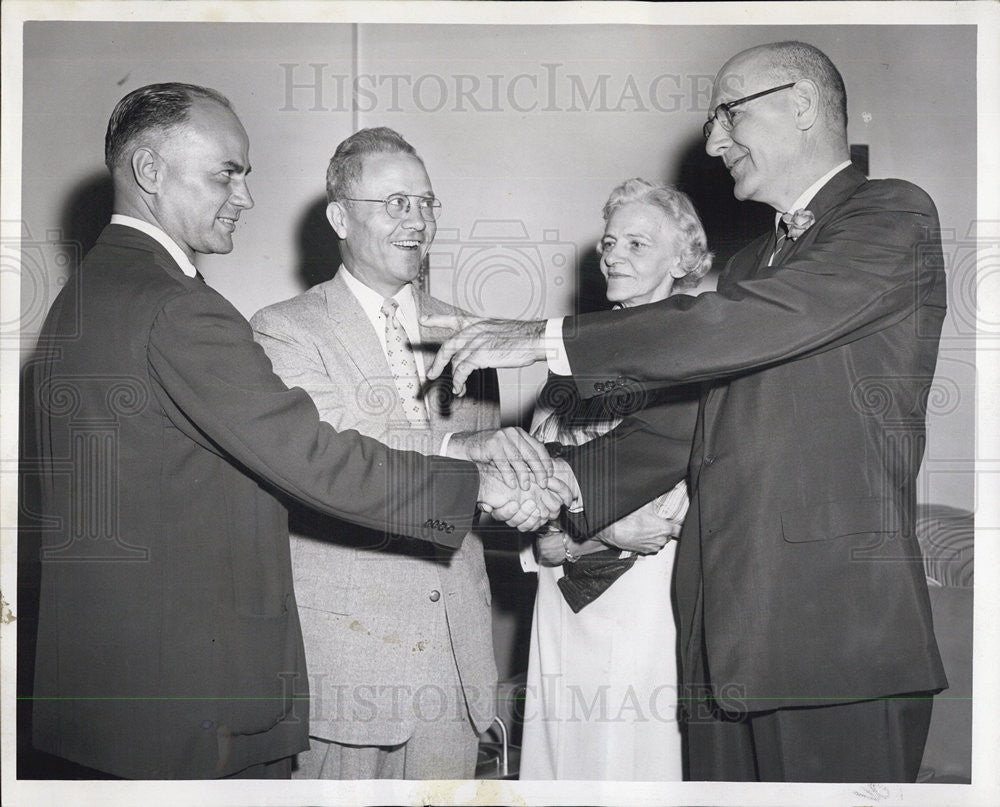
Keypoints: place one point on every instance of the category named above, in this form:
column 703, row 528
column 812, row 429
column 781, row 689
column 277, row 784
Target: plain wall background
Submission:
column 524, row 131
column 522, row 190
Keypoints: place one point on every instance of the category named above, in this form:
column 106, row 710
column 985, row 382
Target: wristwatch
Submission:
column 570, row 557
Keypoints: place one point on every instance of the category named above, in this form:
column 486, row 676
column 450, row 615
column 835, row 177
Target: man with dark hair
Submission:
column 806, row 642
column 157, row 108
column 168, row 641
column 407, row 696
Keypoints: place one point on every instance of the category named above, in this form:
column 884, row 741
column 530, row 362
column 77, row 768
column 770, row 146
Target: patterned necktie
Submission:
column 403, row 364
column 781, row 236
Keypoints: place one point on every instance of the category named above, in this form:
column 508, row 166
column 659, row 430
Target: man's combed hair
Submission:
column 798, row 60
column 160, row 107
column 692, row 248
column 344, row 171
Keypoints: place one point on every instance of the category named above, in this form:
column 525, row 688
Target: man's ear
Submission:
column 146, row 168
column 807, row 101
column 337, row 216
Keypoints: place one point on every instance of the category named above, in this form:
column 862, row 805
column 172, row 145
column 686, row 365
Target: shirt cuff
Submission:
column 443, row 451
column 555, row 348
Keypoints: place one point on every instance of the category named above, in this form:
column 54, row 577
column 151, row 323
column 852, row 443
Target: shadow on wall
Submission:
column 729, row 223
column 591, row 287
column 317, row 244
column 88, row 210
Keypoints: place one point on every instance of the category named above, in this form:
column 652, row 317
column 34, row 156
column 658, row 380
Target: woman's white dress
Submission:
column 601, row 700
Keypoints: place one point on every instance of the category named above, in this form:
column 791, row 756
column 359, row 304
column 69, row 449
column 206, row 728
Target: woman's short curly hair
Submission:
column 696, row 260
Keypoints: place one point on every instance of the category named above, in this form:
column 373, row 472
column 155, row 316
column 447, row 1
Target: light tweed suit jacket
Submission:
column 367, row 597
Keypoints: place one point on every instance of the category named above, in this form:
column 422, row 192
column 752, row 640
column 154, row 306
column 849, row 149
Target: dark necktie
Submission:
column 781, row 240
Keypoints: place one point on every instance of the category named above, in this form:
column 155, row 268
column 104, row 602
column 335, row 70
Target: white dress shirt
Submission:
column 807, row 195
column 161, row 237
column 406, row 315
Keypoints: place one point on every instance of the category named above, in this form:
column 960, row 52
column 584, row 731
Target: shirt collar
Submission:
column 371, row 302
column 807, row 195
column 161, row 238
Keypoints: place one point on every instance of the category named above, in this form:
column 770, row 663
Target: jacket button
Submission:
column 435, row 595
column 709, row 459
column 599, row 386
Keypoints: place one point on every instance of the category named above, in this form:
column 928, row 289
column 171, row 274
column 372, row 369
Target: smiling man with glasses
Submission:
column 398, row 637
column 397, row 205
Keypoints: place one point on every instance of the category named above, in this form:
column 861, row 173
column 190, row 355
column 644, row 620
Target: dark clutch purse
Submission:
column 590, row 576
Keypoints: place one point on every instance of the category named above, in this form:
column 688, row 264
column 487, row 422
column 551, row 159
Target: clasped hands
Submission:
column 519, row 482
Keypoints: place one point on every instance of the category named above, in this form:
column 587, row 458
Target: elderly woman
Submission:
column 602, row 674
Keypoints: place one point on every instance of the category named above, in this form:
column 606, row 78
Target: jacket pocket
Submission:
column 322, row 574
column 836, row 519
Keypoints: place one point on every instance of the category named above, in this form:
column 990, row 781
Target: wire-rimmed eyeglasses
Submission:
column 722, row 114
column 397, row 205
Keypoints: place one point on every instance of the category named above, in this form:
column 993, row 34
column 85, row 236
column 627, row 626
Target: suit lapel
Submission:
column 835, row 192
column 358, row 341
column 840, row 187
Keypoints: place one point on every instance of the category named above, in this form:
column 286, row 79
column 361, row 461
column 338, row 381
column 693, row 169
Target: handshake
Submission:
column 519, row 482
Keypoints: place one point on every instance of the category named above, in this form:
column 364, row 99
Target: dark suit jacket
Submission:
column 798, row 572
column 168, row 640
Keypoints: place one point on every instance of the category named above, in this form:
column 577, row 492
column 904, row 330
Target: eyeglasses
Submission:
column 722, row 114
column 398, row 205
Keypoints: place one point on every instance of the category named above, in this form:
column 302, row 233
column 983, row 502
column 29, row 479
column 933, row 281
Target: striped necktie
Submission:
column 781, row 239
column 403, row 365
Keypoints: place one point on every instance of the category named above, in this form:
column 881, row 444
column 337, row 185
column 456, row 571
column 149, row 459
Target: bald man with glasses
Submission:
column 806, row 642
